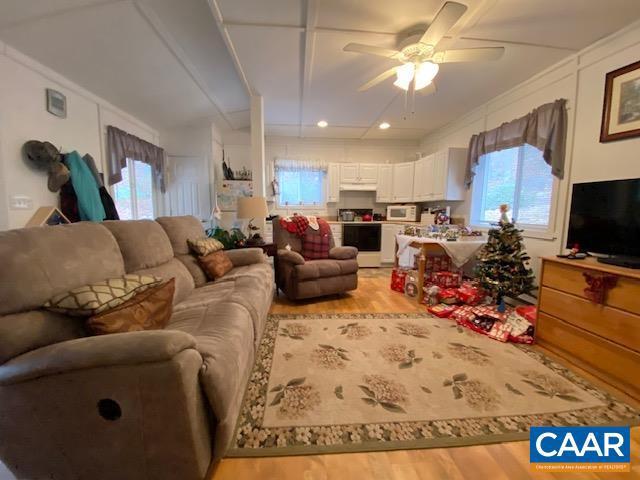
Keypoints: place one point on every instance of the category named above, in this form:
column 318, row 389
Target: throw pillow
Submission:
column 205, row 246
column 315, row 246
column 148, row 310
column 216, row 264
column 98, row 297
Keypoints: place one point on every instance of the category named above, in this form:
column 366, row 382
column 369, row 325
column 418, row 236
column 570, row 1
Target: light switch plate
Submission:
column 20, row 202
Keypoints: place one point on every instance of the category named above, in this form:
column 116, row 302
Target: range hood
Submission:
column 359, row 187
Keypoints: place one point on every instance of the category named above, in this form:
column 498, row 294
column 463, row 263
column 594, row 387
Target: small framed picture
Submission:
column 56, row 103
column 621, row 110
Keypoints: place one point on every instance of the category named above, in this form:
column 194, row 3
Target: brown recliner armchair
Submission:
column 299, row 278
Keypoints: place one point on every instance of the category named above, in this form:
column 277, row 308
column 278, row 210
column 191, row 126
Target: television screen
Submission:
column 605, row 217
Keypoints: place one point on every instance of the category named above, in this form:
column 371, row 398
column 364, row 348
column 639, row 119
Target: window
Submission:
column 301, row 187
column 519, row 177
column 133, row 196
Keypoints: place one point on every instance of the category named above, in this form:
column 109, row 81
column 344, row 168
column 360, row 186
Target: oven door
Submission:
column 365, row 237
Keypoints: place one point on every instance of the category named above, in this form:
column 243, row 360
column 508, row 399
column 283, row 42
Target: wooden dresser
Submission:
column 599, row 333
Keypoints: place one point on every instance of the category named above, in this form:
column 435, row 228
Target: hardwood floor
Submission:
column 497, row 461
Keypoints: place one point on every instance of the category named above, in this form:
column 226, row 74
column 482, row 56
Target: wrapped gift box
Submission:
column 447, row 279
column 448, row 296
column 398, row 278
column 469, row 294
column 442, row 310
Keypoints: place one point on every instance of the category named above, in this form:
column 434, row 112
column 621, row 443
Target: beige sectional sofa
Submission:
column 153, row 404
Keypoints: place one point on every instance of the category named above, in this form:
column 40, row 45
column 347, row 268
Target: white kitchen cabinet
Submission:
column 267, row 234
column 359, row 173
column 349, row 172
column 368, row 172
column 384, row 192
column 333, row 183
column 388, row 241
column 403, row 182
column 440, row 176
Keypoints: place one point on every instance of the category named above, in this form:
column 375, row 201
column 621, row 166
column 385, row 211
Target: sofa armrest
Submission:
column 246, row 256
column 132, row 348
column 290, row 256
column 343, row 253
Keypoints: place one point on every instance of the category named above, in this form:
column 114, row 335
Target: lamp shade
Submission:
column 252, row 207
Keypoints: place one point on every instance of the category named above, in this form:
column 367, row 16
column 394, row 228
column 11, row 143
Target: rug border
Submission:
column 393, row 445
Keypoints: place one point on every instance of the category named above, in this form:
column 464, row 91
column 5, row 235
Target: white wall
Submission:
column 580, row 79
column 236, row 146
column 23, row 117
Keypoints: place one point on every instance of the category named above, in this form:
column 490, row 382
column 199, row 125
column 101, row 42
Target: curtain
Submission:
column 122, row 145
column 544, row 128
column 300, row 165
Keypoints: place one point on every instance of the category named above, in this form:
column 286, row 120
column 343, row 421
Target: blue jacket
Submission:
column 84, row 183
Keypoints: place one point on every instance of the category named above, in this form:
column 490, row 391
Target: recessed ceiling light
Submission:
column 322, row 123
column 384, row 125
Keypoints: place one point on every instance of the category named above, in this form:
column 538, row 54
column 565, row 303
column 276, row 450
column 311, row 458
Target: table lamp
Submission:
column 252, row 208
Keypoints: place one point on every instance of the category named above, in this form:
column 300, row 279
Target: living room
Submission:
column 342, row 270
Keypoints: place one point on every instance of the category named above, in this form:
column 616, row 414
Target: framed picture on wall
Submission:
column 621, row 110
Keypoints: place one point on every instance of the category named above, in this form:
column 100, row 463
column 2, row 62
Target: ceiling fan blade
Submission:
column 446, row 18
column 371, row 50
column 468, row 55
column 380, row 78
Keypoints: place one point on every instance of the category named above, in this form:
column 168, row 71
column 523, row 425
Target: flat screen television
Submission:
column 605, row 219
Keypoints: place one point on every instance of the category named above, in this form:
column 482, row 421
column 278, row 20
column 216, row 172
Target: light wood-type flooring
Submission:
column 495, row 462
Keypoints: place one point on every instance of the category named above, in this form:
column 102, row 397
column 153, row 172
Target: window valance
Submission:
column 122, row 145
column 544, row 128
column 300, row 165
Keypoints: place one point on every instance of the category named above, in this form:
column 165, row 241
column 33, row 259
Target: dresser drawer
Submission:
column 571, row 280
column 616, row 325
column 613, row 363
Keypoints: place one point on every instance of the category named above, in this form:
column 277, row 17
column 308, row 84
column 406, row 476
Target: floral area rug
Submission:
column 363, row 382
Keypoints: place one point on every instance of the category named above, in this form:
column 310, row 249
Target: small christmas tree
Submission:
column 502, row 267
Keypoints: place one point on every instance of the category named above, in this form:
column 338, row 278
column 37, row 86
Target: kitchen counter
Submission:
column 393, row 222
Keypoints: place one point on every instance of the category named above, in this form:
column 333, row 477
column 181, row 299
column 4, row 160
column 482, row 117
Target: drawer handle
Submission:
column 598, row 286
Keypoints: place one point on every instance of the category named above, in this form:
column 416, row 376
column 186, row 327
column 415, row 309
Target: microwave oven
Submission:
column 403, row 213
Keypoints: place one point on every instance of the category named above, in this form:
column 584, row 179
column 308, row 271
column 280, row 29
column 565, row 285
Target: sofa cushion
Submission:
column 204, row 246
column 148, row 310
column 40, row 262
column 325, row 268
column 179, row 230
column 216, row 264
column 143, row 243
column 224, row 337
column 100, row 296
column 173, row 269
column 23, row 332
column 191, row 263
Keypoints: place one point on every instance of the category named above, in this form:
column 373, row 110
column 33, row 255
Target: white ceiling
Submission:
column 173, row 62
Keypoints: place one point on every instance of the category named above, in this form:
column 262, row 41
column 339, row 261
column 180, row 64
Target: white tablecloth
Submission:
column 460, row 251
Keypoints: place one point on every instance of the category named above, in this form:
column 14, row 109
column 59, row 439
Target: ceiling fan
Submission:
column 420, row 60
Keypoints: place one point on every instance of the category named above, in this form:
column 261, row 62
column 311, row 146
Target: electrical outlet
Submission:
column 20, row 202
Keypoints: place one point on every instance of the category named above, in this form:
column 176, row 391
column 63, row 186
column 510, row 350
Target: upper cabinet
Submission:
column 333, row 183
column 384, row 192
column 440, row 176
column 402, row 190
column 359, row 173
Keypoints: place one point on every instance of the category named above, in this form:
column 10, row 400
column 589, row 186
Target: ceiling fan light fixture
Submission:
column 425, row 73
column 404, row 75
column 322, row 123
column 384, row 125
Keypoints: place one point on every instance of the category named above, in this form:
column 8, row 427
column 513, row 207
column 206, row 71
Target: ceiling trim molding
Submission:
column 317, row 29
column 217, row 14
column 307, row 58
column 179, row 54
